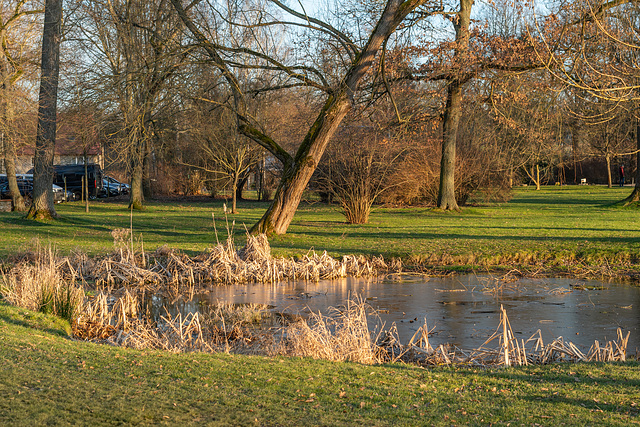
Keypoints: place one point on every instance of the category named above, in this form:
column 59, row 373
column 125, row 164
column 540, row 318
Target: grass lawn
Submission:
column 48, row 379
column 553, row 225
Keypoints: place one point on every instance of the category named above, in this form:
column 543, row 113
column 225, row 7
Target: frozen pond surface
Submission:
column 465, row 310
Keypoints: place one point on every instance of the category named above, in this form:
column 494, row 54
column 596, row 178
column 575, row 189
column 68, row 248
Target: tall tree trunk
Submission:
column 609, row 179
column 17, row 200
column 147, row 169
column 261, row 176
column 234, row 195
column 537, row 176
column 634, row 197
column 240, row 187
column 86, row 182
column 453, row 109
column 42, row 206
column 7, row 143
column 136, row 196
column 9, row 153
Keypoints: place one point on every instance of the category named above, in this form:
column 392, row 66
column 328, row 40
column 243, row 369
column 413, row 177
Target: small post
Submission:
column 86, row 195
column 505, row 336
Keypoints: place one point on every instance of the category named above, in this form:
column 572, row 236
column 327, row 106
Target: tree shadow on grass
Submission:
column 578, row 379
column 455, row 237
column 31, row 320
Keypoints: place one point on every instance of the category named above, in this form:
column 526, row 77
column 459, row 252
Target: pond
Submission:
column 462, row 310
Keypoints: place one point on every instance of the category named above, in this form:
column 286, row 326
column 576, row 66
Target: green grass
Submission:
column 552, row 225
column 48, row 379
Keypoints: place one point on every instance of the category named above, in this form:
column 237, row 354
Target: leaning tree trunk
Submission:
column 453, row 109
column 634, row 197
column 42, row 206
column 298, row 170
column 609, row 178
column 296, row 174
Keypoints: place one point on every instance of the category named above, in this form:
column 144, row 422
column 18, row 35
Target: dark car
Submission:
column 109, row 189
column 71, row 177
column 25, row 187
column 114, row 187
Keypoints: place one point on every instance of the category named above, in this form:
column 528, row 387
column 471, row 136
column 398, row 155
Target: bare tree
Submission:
column 16, row 34
column 594, row 48
column 479, row 51
column 222, row 151
column 340, row 93
column 42, row 206
column 527, row 111
column 135, row 50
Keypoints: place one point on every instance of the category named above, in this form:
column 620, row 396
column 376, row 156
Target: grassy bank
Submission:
column 49, row 379
column 554, row 226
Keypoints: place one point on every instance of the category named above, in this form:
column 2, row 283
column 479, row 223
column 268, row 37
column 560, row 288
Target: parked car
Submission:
column 71, row 176
column 59, row 196
column 25, row 187
column 122, row 188
column 109, row 189
column 113, row 186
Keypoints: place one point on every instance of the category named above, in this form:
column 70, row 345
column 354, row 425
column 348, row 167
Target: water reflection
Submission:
column 464, row 310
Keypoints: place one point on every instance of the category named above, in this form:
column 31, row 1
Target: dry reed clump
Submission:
column 223, row 264
column 346, row 336
column 119, row 320
column 342, row 336
column 511, row 351
column 41, row 286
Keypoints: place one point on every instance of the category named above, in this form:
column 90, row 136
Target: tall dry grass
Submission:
column 223, row 264
column 40, row 286
column 120, row 319
column 343, row 335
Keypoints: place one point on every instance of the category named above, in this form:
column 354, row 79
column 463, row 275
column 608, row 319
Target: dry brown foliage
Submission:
column 40, row 286
column 342, row 336
column 223, row 265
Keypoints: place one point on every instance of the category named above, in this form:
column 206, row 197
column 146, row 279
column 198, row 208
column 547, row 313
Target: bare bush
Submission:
column 415, row 180
column 356, row 172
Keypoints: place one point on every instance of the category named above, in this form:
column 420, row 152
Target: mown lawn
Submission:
column 49, row 379
column 555, row 224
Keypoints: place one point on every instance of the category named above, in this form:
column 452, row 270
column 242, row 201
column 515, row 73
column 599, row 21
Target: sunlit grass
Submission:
column 46, row 379
column 554, row 223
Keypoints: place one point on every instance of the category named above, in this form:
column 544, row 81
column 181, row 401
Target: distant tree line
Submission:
column 401, row 102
